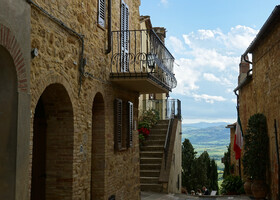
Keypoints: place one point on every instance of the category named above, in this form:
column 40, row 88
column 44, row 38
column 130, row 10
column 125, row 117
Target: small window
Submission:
column 101, row 13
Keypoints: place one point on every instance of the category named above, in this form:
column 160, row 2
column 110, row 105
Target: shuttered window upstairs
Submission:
column 101, row 13
column 124, row 37
column 118, row 124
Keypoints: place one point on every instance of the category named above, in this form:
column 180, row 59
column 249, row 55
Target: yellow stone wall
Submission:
column 262, row 95
column 58, row 63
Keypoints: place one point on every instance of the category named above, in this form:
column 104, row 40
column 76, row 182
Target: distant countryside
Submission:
column 211, row 137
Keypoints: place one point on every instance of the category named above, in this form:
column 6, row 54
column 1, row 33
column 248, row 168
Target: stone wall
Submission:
column 58, row 63
column 175, row 177
column 15, row 48
column 261, row 95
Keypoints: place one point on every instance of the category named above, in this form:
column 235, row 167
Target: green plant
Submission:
column 255, row 157
column 232, row 185
column 141, row 139
column 150, row 117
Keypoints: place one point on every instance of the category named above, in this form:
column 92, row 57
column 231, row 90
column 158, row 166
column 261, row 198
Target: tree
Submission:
column 188, row 157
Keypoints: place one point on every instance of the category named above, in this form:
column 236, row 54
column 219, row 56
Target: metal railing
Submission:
column 165, row 107
column 139, row 52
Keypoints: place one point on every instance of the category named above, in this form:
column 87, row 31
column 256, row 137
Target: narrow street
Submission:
column 160, row 196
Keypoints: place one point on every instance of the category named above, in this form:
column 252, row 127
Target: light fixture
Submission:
column 34, row 53
column 151, row 61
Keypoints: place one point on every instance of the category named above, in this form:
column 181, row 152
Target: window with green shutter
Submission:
column 124, row 37
column 130, row 123
column 101, row 13
column 118, row 124
column 123, row 125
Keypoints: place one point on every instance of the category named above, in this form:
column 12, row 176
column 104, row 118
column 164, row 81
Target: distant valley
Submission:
column 211, row 137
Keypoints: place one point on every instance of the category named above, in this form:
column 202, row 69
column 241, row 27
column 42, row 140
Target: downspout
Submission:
column 109, row 31
column 82, row 61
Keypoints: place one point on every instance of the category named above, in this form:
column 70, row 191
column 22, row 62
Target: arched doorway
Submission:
column 8, row 124
column 98, row 149
column 52, row 156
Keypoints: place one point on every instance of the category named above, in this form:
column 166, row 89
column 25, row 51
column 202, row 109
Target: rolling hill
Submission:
column 211, row 137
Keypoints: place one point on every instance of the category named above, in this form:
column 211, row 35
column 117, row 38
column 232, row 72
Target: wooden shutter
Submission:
column 130, row 123
column 124, row 37
column 118, row 124
column 101, row 13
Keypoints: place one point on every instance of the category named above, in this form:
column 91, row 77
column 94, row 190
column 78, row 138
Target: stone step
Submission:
column 160, row 126
column 149, row 173
column 163, row 122
column 154, row 142
column 152, row 148
column 153, row 180
column 151, row 187
column 150, row 166
column 150, row 160
column 151, row 154
column 156, row 137
column 158, row 131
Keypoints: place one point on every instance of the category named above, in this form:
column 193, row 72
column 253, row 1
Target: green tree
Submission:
column 213, row 176
column 188, row 157
column 227, row 163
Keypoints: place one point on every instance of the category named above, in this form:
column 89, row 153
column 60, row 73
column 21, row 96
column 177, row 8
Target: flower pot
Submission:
column 247, row 187
column 259, row 189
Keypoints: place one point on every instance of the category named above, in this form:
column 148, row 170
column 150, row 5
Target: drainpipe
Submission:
column 108, row 50
column 82, row 61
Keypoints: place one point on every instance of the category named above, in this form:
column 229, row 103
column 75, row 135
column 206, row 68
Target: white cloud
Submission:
column 211, row 77
column 165, row 2
column 213, row 55
column 176, row 44
column 208, row 98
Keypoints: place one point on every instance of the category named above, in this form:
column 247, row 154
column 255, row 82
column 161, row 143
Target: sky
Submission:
column 207, row 38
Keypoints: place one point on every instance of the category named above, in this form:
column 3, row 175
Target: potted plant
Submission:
column 255, row 157
column 148, row 119
column 232, row 185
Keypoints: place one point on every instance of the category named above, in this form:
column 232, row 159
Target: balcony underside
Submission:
column 144, row 83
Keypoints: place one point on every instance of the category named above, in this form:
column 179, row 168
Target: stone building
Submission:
column 234, row 164
column 259, row 90
column 71, row 74
column 160, row 156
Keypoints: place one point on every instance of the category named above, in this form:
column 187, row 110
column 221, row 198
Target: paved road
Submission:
column 159, row 196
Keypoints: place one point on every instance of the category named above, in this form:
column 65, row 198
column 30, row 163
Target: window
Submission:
column 123, row 124
column 101, row 13
column 124, row 37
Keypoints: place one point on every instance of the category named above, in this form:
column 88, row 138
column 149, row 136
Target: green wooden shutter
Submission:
column 130, row 124
column 118, row 124
column 124, row 37
column 101, row 13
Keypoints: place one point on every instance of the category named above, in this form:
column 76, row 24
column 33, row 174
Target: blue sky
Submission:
column 207, row 38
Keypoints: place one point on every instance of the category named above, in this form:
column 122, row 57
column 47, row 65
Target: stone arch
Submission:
column 98, row 148
column 8, row 124
column 9, row 41
column 53, row 140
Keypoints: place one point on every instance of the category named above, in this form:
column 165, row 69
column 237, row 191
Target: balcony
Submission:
column 165, row 107
column 141, row 62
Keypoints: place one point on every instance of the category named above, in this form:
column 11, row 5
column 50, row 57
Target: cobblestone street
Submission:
column 159, row 196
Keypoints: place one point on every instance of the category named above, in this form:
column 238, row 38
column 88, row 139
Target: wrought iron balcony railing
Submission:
column 138, row 53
